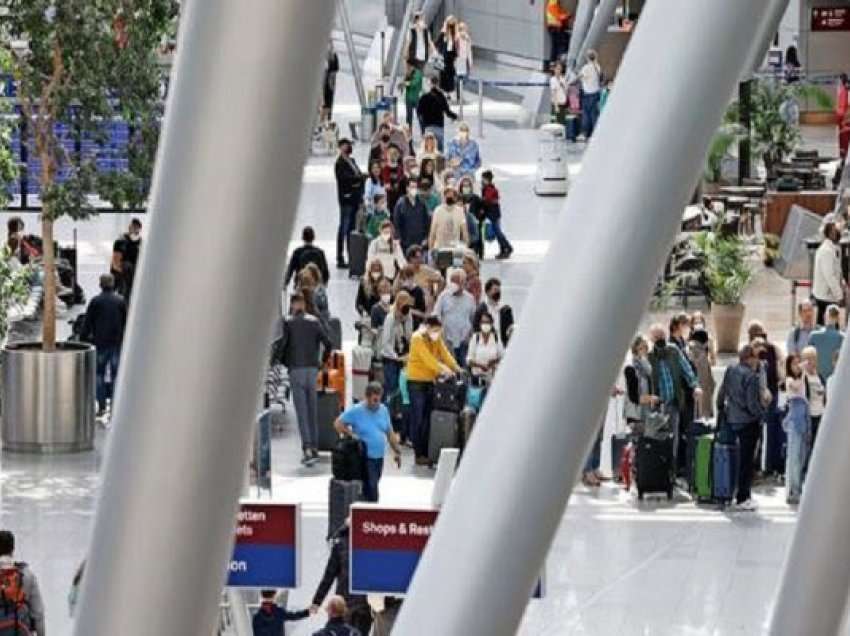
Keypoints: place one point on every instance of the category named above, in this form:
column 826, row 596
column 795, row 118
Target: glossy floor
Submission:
column 615, row 567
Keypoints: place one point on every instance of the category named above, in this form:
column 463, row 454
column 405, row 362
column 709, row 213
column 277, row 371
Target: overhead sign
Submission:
column 266, row 550
column 386, row 544
column 831, row 19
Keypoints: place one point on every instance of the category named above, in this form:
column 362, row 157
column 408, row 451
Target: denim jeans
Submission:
column 420, row 416
column 795, row 461
column 589, row 112
column 459, row 353
column 392, row 369
column 439, row 132
column 775, row 441
column 302, row 383
column 504, row 243
column 374, row 468
column 594, row 457
column 347, row 217
column 107, row 357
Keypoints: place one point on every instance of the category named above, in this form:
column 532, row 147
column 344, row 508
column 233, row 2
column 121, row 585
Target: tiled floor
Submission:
column 616, row 567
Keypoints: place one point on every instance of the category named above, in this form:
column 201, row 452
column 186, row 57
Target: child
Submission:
column 493, row 213
column 271, row 618
column 797, row 425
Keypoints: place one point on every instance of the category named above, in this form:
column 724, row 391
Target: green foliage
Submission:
column 14, row 287
column 8, row 166
column 727, row 271
column 81, row 63
column 722, row 141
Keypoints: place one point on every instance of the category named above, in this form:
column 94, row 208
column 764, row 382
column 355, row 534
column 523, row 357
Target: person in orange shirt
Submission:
column 842, row 116
column 557, row 21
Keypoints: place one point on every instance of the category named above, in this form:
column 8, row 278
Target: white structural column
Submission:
column 399, row 53
column 227, row 182
column 816, row 576
column 539, row 420
column 598, row 27
column 584, row 15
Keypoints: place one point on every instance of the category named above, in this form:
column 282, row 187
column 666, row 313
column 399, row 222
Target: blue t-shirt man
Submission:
column 369, row 421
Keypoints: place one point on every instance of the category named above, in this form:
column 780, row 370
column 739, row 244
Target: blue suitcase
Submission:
column 724, row 471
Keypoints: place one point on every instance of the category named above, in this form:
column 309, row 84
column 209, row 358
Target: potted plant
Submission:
column 727, row 273
column 78, row 67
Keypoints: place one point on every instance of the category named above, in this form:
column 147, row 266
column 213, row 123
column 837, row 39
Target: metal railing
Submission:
column 481, row 84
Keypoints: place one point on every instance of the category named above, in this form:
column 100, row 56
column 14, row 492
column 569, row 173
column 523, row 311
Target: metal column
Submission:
column 599, row 26
column 584, row 14
column 228, row 175
column 399, row 51
column 508, row 499
column 342, row 10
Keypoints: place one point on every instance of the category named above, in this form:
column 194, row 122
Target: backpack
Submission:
column 347, row 459
column 15, row 616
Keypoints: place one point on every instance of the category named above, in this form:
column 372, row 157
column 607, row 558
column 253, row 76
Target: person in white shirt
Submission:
column 485, row 350
column 419, row 44
column 387, row 250
column 590, row 77
column 558, row 89
column 448, row 223
column 827, row 283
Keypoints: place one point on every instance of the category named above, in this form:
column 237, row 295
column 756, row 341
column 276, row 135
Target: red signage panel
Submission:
column 266, row 523
column 391, row 529
column 831, row 19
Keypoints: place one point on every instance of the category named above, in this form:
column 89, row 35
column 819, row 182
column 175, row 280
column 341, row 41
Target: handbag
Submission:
column 436, row 62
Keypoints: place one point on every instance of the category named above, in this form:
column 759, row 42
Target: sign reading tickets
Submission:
column 831, row 19
column 265, row 553
column 386, row 544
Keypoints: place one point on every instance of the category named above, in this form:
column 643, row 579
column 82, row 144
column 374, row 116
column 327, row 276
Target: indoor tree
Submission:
column 78, row 66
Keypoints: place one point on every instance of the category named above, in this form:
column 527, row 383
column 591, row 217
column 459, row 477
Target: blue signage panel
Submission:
column 265, row 553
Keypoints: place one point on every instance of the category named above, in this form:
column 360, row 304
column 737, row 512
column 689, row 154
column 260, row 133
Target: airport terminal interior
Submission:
column 681, row 552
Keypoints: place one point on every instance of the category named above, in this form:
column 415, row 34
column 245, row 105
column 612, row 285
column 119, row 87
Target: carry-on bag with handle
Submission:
column 341, row 494
column 654, row 459
column 449, row 394
column 347, row 459
column 702, row 468
column 444, row 433
column 328, row 409
column 361, row 369
column 358, row 249
column 724, row 472
column 332, row 376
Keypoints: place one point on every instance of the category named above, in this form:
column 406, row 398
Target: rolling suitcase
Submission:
column 361, row 368
column 347, row 459
column 358, row 247
column 724, row 472
column 444, row 433
column 449, row 394
column 619, row 441
column 341, row 494
column 327, row 410
column 332, row 376
column 701, row 486
column 654, row 460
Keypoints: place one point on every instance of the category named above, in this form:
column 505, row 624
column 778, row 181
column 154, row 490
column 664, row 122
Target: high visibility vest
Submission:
column 555, row 15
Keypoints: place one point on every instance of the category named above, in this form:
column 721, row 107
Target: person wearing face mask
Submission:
column 406, row 283
column 463, row 61
column 463, row 154
column 485, row 351
column 428, row 360
column 638, row 375
column 367, row 293
column 377, row 216
column 427, row 278
column 680, row 325
column 411, row 218
column 448, row 224
column 771, row 375
column 827, row 281
column 412, row 86
column 419, row 43
column 349, row 187
column 369, row 421
column 386, row 249
column 429, row 196
column 455, row 308
column 672, row 378
column 433, row 108
column 380, row 309
column 125, row 259
column 394, row 343
column 393, row 177
column 740, row 400
column 503, row 315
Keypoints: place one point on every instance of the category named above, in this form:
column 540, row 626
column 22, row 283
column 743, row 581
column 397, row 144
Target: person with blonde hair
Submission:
column 447, row 45
column 367, row 292
column 463, row 61
column 463, row 154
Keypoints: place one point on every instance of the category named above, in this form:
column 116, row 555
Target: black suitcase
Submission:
column 449, row 394
column 358, row 247
column 326, row 413
column 341, row 494
column 654, row 460
column 444, row 433
column 618, row 445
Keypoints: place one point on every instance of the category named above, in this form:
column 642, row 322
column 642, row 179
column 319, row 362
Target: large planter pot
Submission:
column 727, row 326
column 48, row 398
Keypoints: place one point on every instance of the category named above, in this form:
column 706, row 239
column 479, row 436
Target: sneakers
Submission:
column 341, row 264
column 308, row 459
column 793, row 500
column 501, row 256
column 314, row 453
column 590, row 480
column 745, row 506
column 600, row 476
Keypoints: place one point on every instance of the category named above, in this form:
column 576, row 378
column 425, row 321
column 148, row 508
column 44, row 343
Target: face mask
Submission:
column 453, row 288
column 496, row 296
column 385, row 138
column 375, row 275
column 405, row 310
column 660, row 343
column 486, row 327
column 434, row 335
column 346, row 150
column 386, row 235
column 386, row 298
column 450, row 200
column 412, row 193
column 134, row 236
column 466, row 192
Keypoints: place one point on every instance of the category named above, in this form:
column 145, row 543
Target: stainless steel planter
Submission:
column 48, row 398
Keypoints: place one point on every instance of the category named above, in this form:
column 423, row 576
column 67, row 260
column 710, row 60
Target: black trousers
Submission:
column 747, row 440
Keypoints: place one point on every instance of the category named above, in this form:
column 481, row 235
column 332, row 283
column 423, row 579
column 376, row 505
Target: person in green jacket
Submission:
column 379, row 214
column 412, row 92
